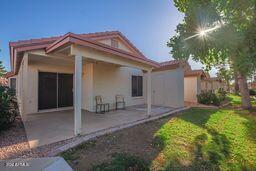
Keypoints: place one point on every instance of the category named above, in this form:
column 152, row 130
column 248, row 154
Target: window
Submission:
column 137, row 86
column 13, row 83
column 114, row 43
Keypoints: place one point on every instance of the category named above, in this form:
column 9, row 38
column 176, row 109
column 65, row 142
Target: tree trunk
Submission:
column 228, row 86
column 243, row 86
column 236, row 83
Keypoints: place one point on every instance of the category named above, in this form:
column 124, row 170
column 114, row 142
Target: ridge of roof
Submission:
column 54, row 38
column 101, row 45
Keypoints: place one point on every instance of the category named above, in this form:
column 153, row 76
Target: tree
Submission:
column 226, row 75
column 236, row 85
column 217, row 32
column 2, row 69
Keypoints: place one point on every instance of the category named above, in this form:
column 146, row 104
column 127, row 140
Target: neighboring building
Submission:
column 11, row 80
column 192, row 84
column 211, row 84
column 196, row 81
column 59, row 73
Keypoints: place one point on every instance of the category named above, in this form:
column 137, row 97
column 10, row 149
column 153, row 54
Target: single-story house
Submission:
column 69, row 71
column 196, row 81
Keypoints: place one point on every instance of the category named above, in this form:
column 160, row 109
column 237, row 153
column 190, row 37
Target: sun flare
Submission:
column 203, row 32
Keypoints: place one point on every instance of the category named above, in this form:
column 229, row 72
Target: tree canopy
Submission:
column 217, row 32
column 2, row 68
column 228, row 28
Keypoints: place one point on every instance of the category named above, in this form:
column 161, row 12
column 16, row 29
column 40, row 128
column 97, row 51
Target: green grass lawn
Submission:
column 207, row 138
column 197, row 139
column 235, row 100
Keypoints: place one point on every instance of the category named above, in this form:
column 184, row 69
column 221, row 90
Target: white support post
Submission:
column 78, row 95
column 149, row 92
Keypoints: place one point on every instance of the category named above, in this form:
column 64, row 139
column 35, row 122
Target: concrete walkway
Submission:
column 46, row 128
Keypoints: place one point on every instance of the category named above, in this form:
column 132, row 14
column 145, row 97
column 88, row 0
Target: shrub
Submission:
column 208, row 98
column 222, row 94
column 252, row 92
column 8, row 107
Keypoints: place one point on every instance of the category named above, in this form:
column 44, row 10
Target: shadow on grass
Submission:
column 250, row 122
column 199, row 116
column 123, row 162
column 208, row 155
column 130, row 148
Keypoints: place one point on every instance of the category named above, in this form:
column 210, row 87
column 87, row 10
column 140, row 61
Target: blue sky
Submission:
column 147, row 23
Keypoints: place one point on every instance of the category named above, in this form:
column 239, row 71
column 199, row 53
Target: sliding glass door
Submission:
column 55, row 90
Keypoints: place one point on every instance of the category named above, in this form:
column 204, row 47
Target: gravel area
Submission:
column 13, row 142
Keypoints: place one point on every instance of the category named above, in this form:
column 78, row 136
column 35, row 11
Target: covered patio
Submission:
column 50, row 127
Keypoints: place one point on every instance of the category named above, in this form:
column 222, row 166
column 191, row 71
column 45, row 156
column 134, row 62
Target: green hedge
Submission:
column 8, row 107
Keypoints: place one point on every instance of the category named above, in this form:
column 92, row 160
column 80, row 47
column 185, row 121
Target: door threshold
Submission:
column 55, row 109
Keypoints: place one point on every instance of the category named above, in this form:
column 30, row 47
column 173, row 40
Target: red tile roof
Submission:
column 9, row 74
column 168, row 65
column 90, row 39
column 198, row 72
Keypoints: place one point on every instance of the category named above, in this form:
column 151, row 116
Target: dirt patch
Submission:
column 13, row 142
column 138, row 141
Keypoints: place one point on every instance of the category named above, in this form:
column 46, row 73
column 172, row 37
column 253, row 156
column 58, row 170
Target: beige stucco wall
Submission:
column 98, row 78
column 192, row 87
column 20, row 91
column 111, row 80
column 102, row 79
column 167, row 88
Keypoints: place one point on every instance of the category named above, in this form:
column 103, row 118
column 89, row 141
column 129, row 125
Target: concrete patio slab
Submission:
column 50, row 127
